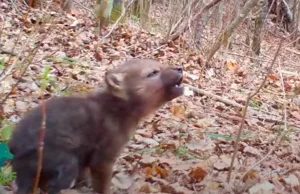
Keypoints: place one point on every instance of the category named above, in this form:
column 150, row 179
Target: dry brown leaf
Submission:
column 252, row 150
column 148, row 172
column 212, row 185
column 155, row 170
column 201, row 145
column 97, row 56
column 178, row 110
column 197, row 174
column 252, row 174
column 122, row 180
column 273, row 77
column 262, row 188
column 295, row 114
column 292, row 180
column 161, row 171
column 224, row 162
column 205, row 122
column 147, row 188
column 232, row 66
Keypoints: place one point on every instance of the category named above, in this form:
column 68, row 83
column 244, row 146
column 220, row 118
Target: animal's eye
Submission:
column 153, row 73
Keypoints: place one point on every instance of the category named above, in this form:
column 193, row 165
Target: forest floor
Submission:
column 187, row 146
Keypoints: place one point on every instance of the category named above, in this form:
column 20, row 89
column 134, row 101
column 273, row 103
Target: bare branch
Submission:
column 40, row 147
column 246, row 107
column 225, row 35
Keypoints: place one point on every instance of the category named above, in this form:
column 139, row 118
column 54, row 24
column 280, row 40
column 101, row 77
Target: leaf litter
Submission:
column 186, row 146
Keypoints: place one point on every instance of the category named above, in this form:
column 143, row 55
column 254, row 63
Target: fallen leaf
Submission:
column 201, row 145
column 122, row 180
column 252, row 174
column 273, row 77
column 155, row 170
column 212, row 185
column 192, row 76
column 295, row 114
column 231, row 65
column 224, row 162
column 205, row 122
column 161, row 171
column 263, row 188
column 187, row 91
column 22, row 106
column 178, row 110
column 252, row 150
column 197, row 174
column 145, row 140
column 292, row 180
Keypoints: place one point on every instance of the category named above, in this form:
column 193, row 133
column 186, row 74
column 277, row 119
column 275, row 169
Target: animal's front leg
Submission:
column 83, row 178
column 101, row 176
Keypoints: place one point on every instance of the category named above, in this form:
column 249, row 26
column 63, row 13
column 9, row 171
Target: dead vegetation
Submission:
column 188, row 145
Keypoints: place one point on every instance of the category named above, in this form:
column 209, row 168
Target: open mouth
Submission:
column 178, row 83
column 176, row 89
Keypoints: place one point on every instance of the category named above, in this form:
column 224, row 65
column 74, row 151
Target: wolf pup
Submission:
column 90, row 132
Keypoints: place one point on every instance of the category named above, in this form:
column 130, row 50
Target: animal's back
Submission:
column 64, row 118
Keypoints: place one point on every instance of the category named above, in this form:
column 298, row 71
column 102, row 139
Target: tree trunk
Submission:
column 259, row 21
column 282, row 11
column 118, row 8
column 224, row 36
column 141, row 10
column 144, row 12
column 297, row 24
column 103, row 12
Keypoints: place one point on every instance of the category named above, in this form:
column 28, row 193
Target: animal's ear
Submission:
column 115, row 83
column 114, row 80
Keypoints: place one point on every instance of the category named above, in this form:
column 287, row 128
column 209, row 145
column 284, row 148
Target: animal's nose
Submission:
column 179, row 69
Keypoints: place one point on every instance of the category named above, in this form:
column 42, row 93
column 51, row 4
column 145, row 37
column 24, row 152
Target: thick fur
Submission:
column 89, row 132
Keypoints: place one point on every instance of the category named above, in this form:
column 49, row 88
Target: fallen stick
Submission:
column 216, row 97
column 7, row 52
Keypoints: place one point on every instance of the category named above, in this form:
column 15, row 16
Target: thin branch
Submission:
column 278, row 140
column 198, row 15
column 3, row 74
column 2, row 51
column 22, row 74
column 246, row 107
column 118, row 21
column 216, row 97
column 226, row 34
column 84, row 7
column 40, row 147
column 31, row 56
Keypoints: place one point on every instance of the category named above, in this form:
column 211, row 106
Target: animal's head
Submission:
column 147, row 82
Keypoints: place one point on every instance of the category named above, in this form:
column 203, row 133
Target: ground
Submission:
column 187, row 146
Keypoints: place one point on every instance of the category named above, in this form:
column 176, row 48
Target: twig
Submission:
column 199, row 14
column 9, row 69
column 22, row 74
column 40, row 147
column 216, row 97
column 277, row 141
column 84, row 7
column 31, row 56
column 155, row 49
column 241, row 55
column 7, row 52
column 184, row 11
column 245, row 110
